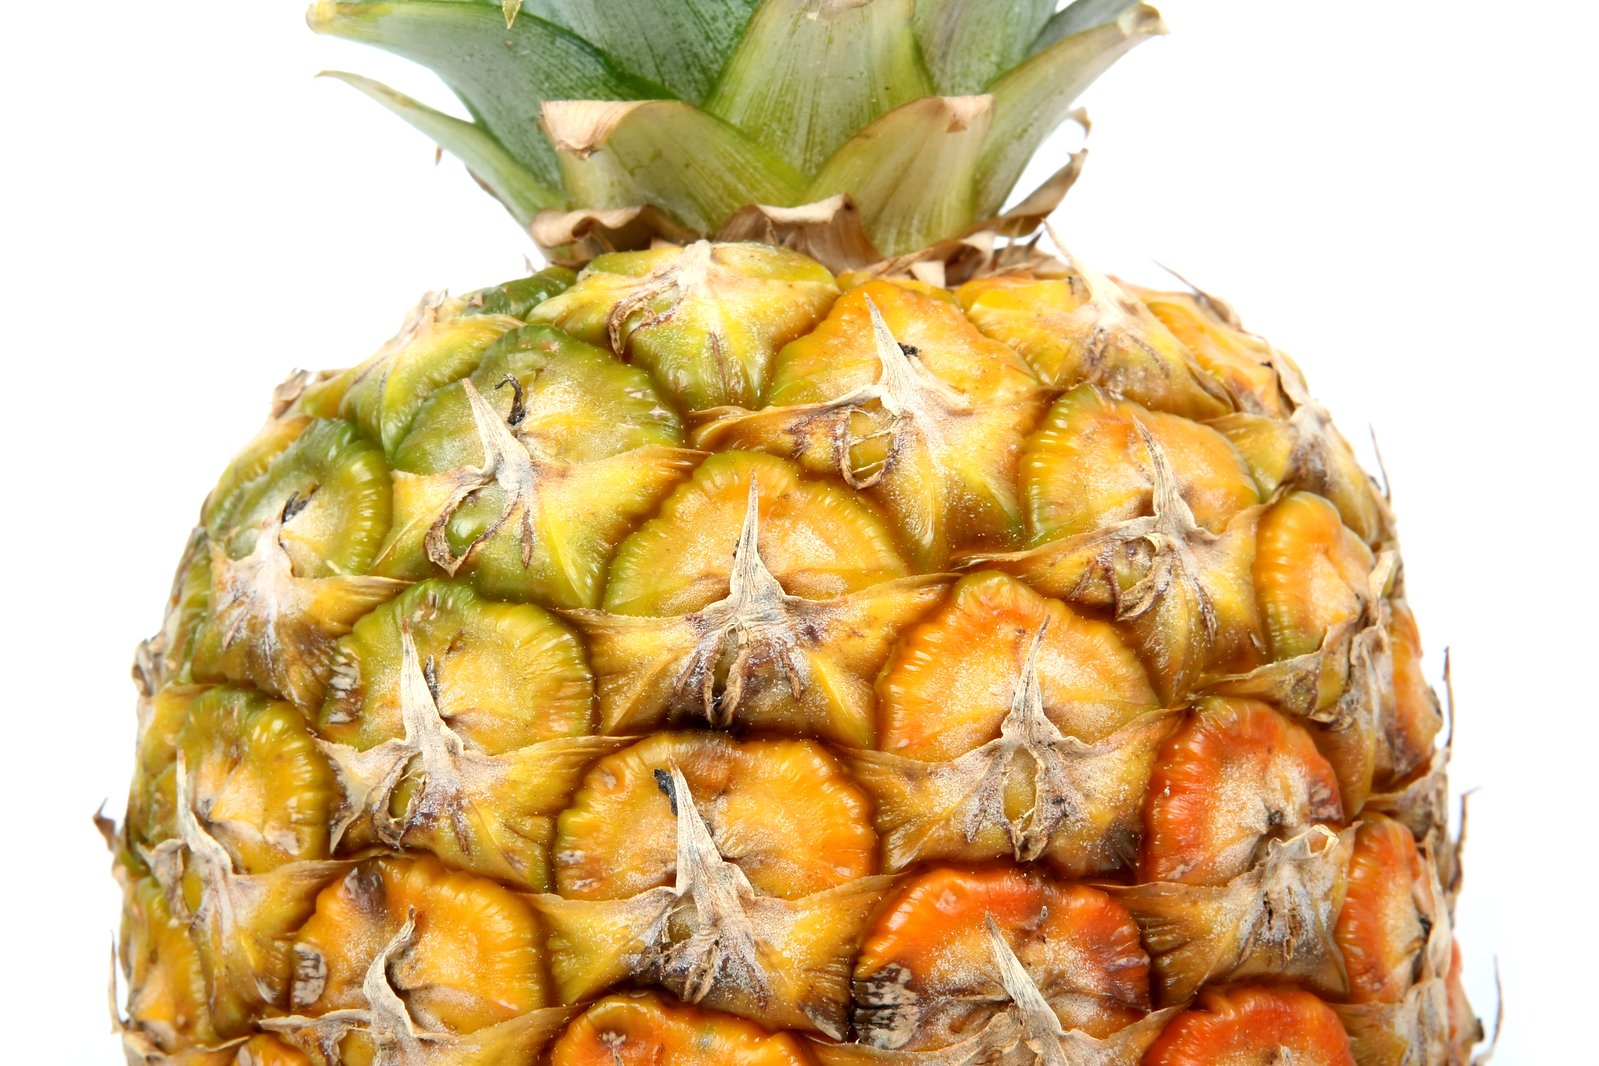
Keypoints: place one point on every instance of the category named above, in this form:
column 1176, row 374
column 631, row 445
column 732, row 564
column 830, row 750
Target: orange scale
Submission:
column 1087, row 467
column 841, row 353
column 1238, row 359
column 1417, row 717
column 1080, row 947
column 955, row 677
column 1236, row 774
column 648, row 1030
column 782, row 810
column 1253, row 1027
column 817, row 539
column 1310, row 573
column 1387, row 915
column 476, row 956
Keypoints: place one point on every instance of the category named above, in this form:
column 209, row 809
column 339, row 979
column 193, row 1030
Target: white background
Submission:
column 1395, row 193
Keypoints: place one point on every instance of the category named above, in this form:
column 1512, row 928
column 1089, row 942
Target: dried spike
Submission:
column 493, row 809
column 390, row 1017
column 1042, row 1029
column 905, row 387
column 724, row 942
column 684, row 277
column 291, row 622
column 900, row 423
column 509, row 463
column 751, row 582
column 934, row 809
column 518, row 400
column 438, row 750
column 1274, row 920
column 712, row 938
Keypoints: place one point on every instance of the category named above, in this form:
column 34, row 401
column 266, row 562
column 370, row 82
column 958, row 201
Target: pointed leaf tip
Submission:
column 502, row 72
column 1030, row 101
column 523, row 195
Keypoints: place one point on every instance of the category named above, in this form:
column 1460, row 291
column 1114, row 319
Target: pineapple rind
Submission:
column 444, row 599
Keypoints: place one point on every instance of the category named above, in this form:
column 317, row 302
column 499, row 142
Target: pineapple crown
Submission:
column 854, row 128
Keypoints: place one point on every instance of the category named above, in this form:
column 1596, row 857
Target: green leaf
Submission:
column 1079, row 16
column 912, row 171
column 501, row 74
column 494, row 168
column 680, row 45
column 695, row 167
column 1036, row 97
column 966, row 45
column 809, row 73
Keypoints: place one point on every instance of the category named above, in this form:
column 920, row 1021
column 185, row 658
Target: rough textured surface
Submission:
column 711, row 660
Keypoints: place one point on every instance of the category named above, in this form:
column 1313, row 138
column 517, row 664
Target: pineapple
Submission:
column 806, row 624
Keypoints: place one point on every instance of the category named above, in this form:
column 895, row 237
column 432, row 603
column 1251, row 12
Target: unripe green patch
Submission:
column 707, row 320
column 530, row 487
column 386, row 395
column 507, row 674
column 340, row 482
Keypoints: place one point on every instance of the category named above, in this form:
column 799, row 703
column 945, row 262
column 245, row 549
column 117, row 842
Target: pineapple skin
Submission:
column 706, row 658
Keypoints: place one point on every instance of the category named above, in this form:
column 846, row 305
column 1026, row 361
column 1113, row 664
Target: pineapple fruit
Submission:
column 806, row 625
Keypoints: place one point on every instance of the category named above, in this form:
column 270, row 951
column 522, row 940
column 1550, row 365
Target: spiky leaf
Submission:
column 680, row 45
column 723, row 107
column 967, row 45
column 1034, row 98
column 663, row 152
column 807, row 73
column 496, row 169
column 501, row 73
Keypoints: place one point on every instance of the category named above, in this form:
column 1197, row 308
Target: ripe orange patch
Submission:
column 956, row 674
column 1236, row 773
column 1387, row 914
column 1253, row 1027
column 476, row 956
column 1417, row 716
column 647, row 1030
column 839, row 354
column 927, row 972
column 1310, row 573
column 782, row 810
column 1088, row 467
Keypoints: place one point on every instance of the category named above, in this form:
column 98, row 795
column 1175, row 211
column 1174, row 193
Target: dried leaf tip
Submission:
column 389, row 1014
column 518, row 400
column 508, row 462
column 321, row 13
column 1028, row 699
column 1041, row 1029
column 1018, row 983
column 205, row 851
column 582, row 127
column 698, row 857
column 904, row 385
column 751, row 582
column 1167, row 501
